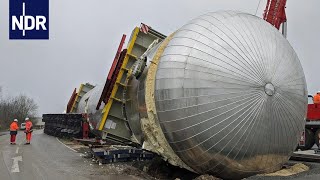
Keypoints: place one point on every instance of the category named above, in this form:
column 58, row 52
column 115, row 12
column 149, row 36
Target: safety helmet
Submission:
column 15, row 120
column 27, row 119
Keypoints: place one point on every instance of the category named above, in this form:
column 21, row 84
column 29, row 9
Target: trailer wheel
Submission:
column 309, row 141
column 316, row 137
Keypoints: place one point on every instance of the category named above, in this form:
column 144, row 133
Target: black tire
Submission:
column 316, row 137
column 309, row 141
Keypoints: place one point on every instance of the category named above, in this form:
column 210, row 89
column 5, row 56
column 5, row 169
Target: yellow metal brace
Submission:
column 77, row 97
column 107, row 107
column 135, row 57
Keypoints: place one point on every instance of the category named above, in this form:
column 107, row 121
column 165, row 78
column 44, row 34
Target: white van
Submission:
column 23, row 126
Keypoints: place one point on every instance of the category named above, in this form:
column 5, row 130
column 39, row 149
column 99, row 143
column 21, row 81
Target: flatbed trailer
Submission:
column 116, row 153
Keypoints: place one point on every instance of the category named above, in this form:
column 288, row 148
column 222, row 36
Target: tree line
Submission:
column 17, row 107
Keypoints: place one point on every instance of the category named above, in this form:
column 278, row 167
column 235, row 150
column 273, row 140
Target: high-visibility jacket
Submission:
column 14, row 126
column 316, row 98
column 28, row 126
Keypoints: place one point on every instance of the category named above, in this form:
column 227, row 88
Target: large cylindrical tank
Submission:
column 87, row 105
column 225, row 95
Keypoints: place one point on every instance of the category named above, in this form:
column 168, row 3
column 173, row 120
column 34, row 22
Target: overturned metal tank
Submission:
column 225, row 95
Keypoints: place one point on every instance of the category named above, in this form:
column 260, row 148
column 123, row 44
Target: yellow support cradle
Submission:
column 123, row 69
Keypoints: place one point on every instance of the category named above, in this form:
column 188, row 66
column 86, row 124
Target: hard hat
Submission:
column 15, row 120
column 27, row 119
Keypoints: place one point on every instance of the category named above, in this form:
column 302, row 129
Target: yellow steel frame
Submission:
column 107, row 107
column 77, row 97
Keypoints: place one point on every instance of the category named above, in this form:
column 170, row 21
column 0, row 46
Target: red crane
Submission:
column 275, row 14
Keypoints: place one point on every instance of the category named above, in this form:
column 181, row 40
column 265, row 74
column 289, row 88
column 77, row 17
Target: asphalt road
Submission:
column 3, row 133
column 46, row 158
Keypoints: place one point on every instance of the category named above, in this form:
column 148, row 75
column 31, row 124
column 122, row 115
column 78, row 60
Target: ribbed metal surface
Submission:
column 135, row 107
column 88, row 105
column 231, row 95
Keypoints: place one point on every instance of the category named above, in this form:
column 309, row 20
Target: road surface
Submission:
column 3, row 133
column 46, row 158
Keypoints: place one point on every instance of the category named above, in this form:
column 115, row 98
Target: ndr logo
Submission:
column 29, row 19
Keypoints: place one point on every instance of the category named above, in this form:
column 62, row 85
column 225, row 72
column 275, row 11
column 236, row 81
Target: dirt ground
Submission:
column 153, row 169
column 159, row 169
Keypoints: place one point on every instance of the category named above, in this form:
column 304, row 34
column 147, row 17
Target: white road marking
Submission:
column 15, row 165
column 66, row 145
column 17, row 150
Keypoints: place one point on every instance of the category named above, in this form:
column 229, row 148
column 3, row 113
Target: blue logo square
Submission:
column 28, row 19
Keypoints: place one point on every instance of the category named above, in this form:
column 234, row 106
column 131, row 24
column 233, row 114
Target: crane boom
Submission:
column 275, row 14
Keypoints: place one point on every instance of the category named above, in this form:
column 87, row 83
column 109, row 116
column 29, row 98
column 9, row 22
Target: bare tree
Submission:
column 18, row 107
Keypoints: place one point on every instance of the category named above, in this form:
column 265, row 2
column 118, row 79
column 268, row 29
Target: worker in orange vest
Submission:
column 13, row 131
column 316, row 98
column 28, row 130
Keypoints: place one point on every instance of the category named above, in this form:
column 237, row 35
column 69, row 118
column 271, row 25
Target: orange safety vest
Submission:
column 316, row 99
column 14, row 126
column 28, row 126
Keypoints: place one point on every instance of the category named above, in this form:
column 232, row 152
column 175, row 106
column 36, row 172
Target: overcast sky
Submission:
column 84, row 35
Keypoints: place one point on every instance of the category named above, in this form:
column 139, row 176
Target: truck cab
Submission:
column 311, row 134
column 313, row 113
